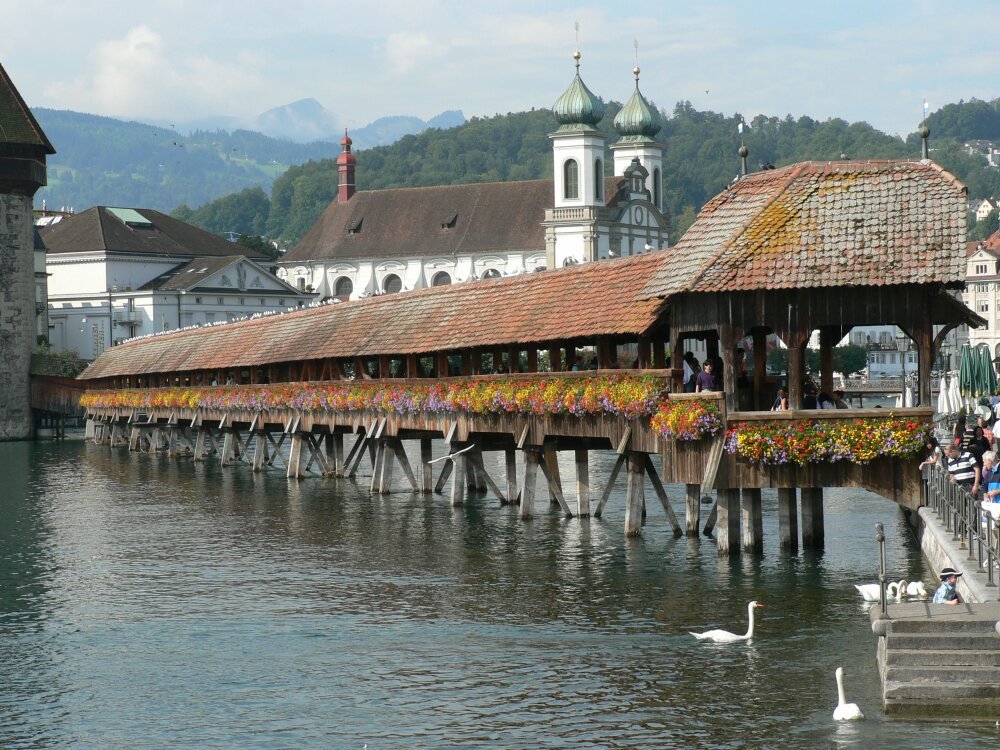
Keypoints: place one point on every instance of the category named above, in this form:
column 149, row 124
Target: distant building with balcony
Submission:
column 116, row 273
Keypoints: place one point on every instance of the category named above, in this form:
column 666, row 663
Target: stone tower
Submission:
column 23, row 149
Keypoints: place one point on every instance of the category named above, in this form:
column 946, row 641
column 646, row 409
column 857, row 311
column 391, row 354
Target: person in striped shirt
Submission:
column 962, row 468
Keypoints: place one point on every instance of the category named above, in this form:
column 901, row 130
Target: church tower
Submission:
column 578, row 170
column 578, row 146
column 638, row 123
column 23, row 149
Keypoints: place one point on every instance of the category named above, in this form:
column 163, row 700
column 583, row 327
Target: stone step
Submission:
column 943, row 641
column 967, row 674
column 933, row 691
column 986, row 710
column 946, row 626
column 905, row 657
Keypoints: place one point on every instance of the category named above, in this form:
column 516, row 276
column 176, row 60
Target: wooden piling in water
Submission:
column 582, row 459
column 753, row 521
column 635, row 494
column 692, row 509
column 788, row 520
column 727, row 532
column 813, row 535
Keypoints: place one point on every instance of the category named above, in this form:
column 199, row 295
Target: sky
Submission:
column 185, row 60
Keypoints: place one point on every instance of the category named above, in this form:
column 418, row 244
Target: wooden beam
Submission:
column 788, row 520
column 426, row 468
column 635, row 495
column 477, row 457
column 661, row 493
column 582, row 460
column 610, row 485
column 753, row 524
column 728, row 533
column 692, row 509
column 555, row 490
column 532, row 458
column 404, row 463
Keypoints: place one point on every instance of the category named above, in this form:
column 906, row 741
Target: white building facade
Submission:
column 118, row 273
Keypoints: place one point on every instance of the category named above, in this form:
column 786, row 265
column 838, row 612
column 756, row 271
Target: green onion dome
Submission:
column 578, row 108
column 637, row 120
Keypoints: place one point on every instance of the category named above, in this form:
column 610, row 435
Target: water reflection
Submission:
column 151, row 602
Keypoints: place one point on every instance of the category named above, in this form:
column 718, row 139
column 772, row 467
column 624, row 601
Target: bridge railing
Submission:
column 963, row 514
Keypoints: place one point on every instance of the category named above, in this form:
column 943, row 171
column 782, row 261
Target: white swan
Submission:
column 901, row 588
column 870, row 591
column 724, row 636
column 845, row 711
column 916, row 588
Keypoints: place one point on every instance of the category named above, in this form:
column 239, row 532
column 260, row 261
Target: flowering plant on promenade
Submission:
column 687, row 419
column 808, row 441
column 620, row 395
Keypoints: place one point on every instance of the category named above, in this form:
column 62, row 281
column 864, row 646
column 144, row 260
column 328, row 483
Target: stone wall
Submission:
column 17, row 315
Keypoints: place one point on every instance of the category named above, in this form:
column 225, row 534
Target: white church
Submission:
column 385, row 241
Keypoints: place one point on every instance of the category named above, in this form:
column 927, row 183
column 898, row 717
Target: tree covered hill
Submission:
column 700, row 159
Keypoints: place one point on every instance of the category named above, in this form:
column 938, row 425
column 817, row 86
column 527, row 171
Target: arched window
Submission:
column 656, row 188
column 343, row 288
column 392, row 284
column 571, row 179
column 598, row 180
column 490, row 273
column 441, row 278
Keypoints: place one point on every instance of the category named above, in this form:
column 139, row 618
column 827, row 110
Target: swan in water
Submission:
column 916, row 588
column 845, row 711
column 869, row 591
column 724, row 636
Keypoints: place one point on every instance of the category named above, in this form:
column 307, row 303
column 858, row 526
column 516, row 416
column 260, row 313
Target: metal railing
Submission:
column 972, row 527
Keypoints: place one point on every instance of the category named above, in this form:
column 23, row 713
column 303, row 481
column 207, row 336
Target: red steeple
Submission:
column 345, row 170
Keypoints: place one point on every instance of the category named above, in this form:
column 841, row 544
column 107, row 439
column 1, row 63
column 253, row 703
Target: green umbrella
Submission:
column 965, row 370
column 986, row 371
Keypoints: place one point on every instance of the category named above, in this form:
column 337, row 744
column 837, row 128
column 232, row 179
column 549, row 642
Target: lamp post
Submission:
column 900, row 343
column 946, row 356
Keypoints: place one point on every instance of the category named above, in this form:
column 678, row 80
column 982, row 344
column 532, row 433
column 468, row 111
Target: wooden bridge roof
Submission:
column 578, row 302
column 824, row 224
column 808, row 225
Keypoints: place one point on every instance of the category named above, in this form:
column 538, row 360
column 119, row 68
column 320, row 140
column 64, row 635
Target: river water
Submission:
column 150, row 602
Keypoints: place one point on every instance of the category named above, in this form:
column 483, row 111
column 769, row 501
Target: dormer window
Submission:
column 449, row 220
column 354, row 225
column 982, row 269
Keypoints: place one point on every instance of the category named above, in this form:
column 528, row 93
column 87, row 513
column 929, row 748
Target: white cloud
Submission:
column 136, row 76
column 406, row 50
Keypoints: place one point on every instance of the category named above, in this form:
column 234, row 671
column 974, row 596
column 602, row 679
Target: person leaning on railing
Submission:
column 962, row 468
column 933, row 453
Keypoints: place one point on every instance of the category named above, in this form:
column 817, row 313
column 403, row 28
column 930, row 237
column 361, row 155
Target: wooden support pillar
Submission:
column 259, row 451
column 659, row 353
column 753, row 521
column 692, row 509
column 605, row 353
column 228, row 446
column 555, row 359
column 826, row 343
column 458, row 483
column 795, row 375
column 466, row 362
column 426, row 468
column 570, row 356
column 441, row 365
column 727, row 533
column 384, row 366
column 759, row 369
column 923, row 337
column 295, row 457
column 582, row 482
column 513, row 359
column 788, row 520
column 552, row 464
column 812, row 518
column 728, row 341
column 510, row 461
column 532, row 458
column 635, row 498
column 413, row 366
column 532, row 359
column 388, row 465
column 645, row 352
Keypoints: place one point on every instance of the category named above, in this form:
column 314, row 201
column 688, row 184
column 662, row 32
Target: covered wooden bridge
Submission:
column 590, row 358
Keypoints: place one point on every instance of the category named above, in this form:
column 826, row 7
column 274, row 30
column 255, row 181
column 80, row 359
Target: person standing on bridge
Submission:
column 946, row 592
column 706, row 378
column 962, row 468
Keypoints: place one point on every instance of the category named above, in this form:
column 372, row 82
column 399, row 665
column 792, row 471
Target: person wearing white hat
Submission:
column 946, row 592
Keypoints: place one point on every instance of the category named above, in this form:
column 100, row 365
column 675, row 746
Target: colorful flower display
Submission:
column 621, row 395
column 800, row 442
column 687, row 419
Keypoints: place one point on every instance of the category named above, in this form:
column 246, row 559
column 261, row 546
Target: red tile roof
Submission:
column 822, row 224
column 98, row 230
column 581, row 301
